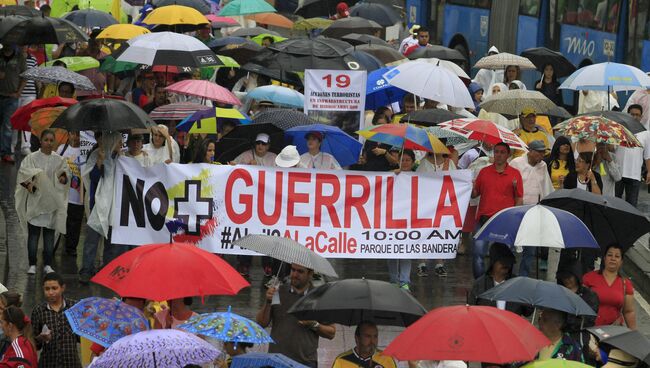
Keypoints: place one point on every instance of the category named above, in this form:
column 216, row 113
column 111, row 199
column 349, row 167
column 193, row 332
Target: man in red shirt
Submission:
column 500, row 186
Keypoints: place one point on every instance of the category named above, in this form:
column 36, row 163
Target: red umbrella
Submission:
column 469, row 333
column 20, row 118
column 169, row 271
column 204, row 89
column 484, row 131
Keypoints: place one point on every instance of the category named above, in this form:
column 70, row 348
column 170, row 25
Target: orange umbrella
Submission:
column 42, row 119
column 271, row 19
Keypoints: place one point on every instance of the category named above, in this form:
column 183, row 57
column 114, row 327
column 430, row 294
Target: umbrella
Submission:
column 218, row 43
column 57, row 74
column 404, row 136
column 245, row 7
column 430, row 81
column 364, row 39
column 222, row 22
column 8, row 22
column 345, row 148
column 438, row 52
column 286, row 77
column 451, row 66
column 210, row 120
column 234, row 144
column 312, row 23
column 429, row 117
column 251, row 32
column 39, row 30
column 384, row 53
column 468, row 333
column 176, row 18
column 44, row 118
column 204, row 89
column 503, row 60
column 537, row 226
column 227, row 326
column 20, row 118
column 189, row 271
column 240, row 52
column 484, row 131
column 278, row 95
column 450, row 139
column 260, row 37
column 317, row 8
column 607, row 77
column 379, row 92
column 558, row 112
column 121, row 32
column 103, row 114
column 272, row 19
column 343, row 26
column 352, row 301
column 598, row 129
column 541, row 56
column 632, row 342
column 513, row 102
column 110, row 65
column 90, row 18
column 157, row 348
column 175, row 111
column 286, row 250
column 299, row 54
column 104, row 321
column 199, row 5
column 539, row 293
column 364, row 61
column 556, row 363
column 166, row 48
column 20, row 10
column 611, row 220
column 620, row 117
column 76, row 63
column 384, row 15
column 273, row 360
column 283, row 119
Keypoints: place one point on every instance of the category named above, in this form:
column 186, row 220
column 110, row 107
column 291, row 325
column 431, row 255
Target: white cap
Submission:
column 288, row 157
column 263, row 137
column 493, row 49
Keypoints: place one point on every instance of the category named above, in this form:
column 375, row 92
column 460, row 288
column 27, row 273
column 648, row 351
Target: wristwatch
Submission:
column 314, row 326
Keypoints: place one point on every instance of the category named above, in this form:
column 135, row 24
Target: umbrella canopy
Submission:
column 468, row 333
column 222, row 22
column 57, row 74
column 484, row 131
column 90, row 18
column 21, row 10
column 44, row 118
column 598, row 129
column 451, row 66
column 558, row 112
column 430, row 81
column 76, row 63
column 379, row 92
column 539, row 294
column 271, row 19
column 121, row 32
column 189, row 271
column 620, row 117
column 157, row 348
column 429, row 117
column 343, row 26
column 407, row 136
column 241, row 52
column 283, row 76
column 175, row 111
column 199, row 5
column 537, row 226
column 541, row 56
column 300, row 54
column 316, row 8
column 260, row 38
column 166, row 48
column 450, row 139
column 312, row 23
column 386, row 54
column 556, row 363
column 227, row 326
column 503, row 60
column 44, row 30
column 204, row 89
column 103, row 114
column 20, row 119
column 610, row 219
column 513, row 102
column 438, row 52
column 364, row 39
column 210, row 120
column 176, row 18
column 252, row 32
column 286, row 250
column 245, row 7
column 283, row 119
column 384, row 15
column 273, row 360
column 352, row 301
column 279, row 95
column 345, row 148
column 364, row 61
column 104, row 321
column 632, row 342
column 607, row 77
column 8, row 22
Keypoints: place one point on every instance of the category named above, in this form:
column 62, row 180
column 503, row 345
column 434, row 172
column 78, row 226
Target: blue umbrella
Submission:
column 227, row 326
column 336, row 142
column 278, row 95
column 379, row 92
column 105, row 321
column 252, row 360
column 607, row 77
column 538, row 226
column 365, row 60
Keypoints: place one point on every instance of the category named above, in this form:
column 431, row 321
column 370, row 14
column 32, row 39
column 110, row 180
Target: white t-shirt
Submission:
column 322, row 160
column 537, row 182
column 268, row 160
column 630, row 160
column 72, row 155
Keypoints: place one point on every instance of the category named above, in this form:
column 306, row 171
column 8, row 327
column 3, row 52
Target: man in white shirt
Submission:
column 630, row 162
column 71, row 151
column 314, row 158
column 259, row 155
column 537, row 185
column 641, row 97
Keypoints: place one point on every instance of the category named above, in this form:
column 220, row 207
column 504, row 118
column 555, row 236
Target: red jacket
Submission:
column 20, row 354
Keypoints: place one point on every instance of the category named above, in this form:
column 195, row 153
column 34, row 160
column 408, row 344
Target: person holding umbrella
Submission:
column 549, row 85
column 259, row 154
column 584, row 177
column 365, row 353
column 314, row 158
column 562, row 346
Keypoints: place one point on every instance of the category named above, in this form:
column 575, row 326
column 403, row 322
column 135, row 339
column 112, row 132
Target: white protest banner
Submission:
column 336, row 97
column 338, row 214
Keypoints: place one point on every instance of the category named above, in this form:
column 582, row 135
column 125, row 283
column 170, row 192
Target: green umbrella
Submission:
column 258, row 39
column 76, row 63
column 227, row 62
column 111, row 65
column 245, row 7
column 312, row 23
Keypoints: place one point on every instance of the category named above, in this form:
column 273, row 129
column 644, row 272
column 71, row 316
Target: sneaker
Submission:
column 405, row 286
column 8, row 159
column 440, row 270
column 48, row 269
column 268, row 271
column 422, row 270
column 84, row 279
column 31, row 270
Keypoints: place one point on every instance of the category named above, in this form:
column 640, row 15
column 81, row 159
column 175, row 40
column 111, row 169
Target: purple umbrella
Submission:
column 158, row 349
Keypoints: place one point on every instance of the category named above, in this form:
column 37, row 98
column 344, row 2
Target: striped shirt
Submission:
column 30, row 86
column 20, row 354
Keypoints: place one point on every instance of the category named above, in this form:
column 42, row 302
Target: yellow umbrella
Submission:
column 312, row 23
column 7, row 2
column 121, row 32
column 174, row 15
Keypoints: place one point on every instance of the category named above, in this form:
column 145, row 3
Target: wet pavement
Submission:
column 431, row 291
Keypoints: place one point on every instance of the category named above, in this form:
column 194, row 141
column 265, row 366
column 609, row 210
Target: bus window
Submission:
column 611, row 25
column 585, row 13
column 529, row 7
column 472, row 3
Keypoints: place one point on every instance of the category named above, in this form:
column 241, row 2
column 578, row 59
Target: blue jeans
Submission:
column 631, row 188
column 90, row 251
column 479, row 250
column 527, row 264
column 33, row 235
column 399, row 271
column 8, row 106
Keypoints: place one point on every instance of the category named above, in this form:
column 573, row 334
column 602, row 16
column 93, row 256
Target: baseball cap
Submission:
column 263, row 137
column 317, row 135
column 537, row 145
column 527, row 111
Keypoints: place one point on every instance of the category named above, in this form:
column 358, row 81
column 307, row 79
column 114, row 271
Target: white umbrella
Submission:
column 430, row 81
column 503, row 60
column 513, row 102
column 450, row 65
column 607, row 77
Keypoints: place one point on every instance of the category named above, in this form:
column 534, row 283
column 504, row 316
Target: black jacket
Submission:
column 571, row 181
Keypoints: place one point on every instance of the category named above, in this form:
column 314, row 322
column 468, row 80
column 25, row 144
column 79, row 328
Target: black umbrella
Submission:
column 42, row 30
column 319, row 8
column 200, row 5
column 90, row 18
column 341, row 27
column 559, row 112
column 103, row 114
column 8, row 22
column 299, row 54
column 218, row 43
column 351, row 301
column 276, row 74
column 611, row 220
column 541, row 56
column 632, row 342
column 620, row 117
column 242, row 139
column 384, row 15
column 18, row 10
column 437, row 51
column 240, row 52
column 365, row 60
column 429, row 117
column 252, row 32
column 283, row 119
column 364, row 39
column 386, row 54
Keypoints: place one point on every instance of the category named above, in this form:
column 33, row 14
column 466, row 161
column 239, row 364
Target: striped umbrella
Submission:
column 211, row 119
column 175, row 111
column 407, row 136
column 286, row 250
